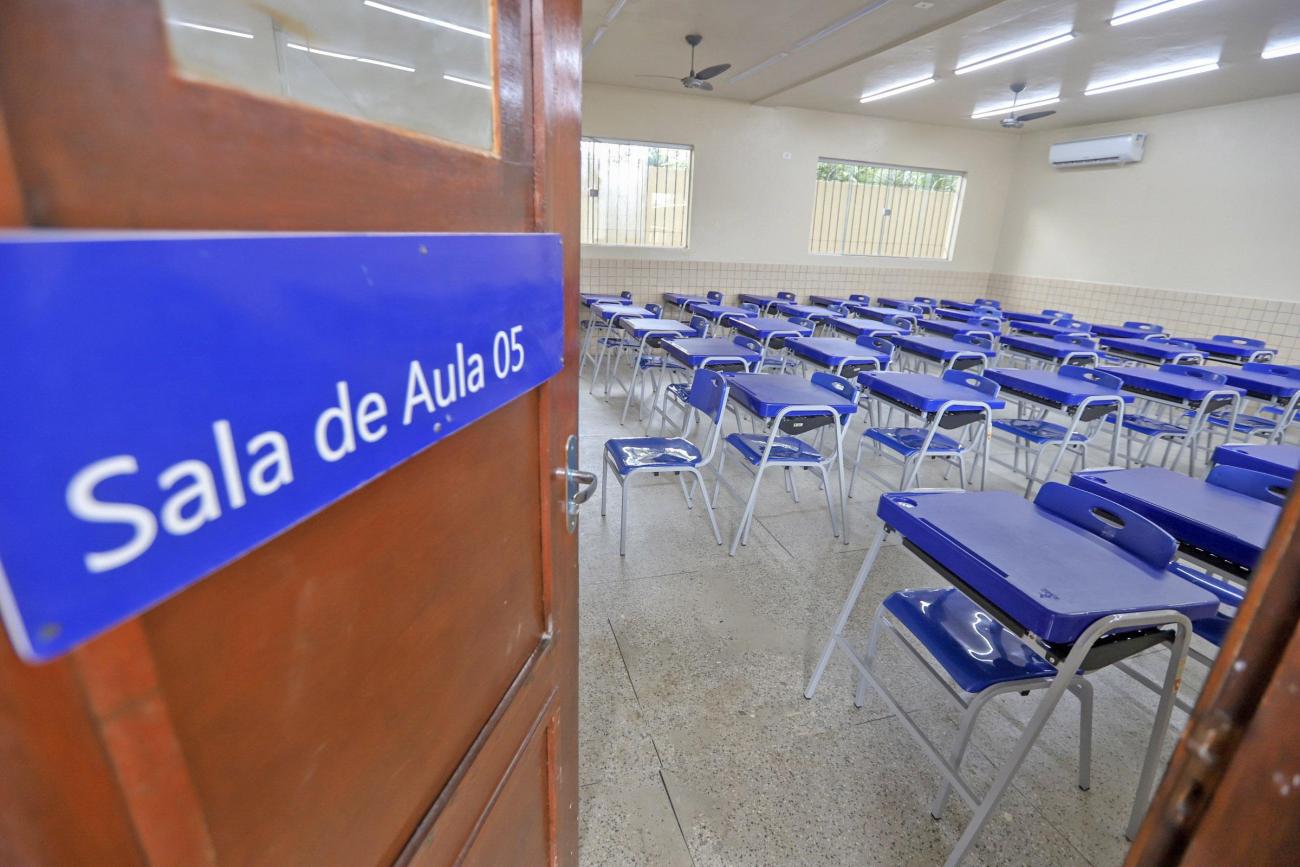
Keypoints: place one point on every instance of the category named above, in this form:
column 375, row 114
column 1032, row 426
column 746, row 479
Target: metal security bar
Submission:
column 635, row 194
column 865, row 209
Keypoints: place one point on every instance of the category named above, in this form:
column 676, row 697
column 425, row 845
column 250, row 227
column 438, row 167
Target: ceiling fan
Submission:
column 696, row 80
column 1012, row 121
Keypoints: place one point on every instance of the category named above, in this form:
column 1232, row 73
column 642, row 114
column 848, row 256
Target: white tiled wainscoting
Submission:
column 1181, row 313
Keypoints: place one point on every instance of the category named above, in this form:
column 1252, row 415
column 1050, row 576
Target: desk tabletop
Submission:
column 760, row 327
column 949, row 328
column 938, row 346
column 717, row 311
column 858, row 327
column 1024, row 316
column 1055, row 588
column 869, row 312
column 1045, row 329
column 1276, row 460
column 827, row 300
column 1122, row 331
column 1224, row 348
column 789, row 308
column 1233, row 526
column 966, row 315
column 766, row 394
column 1259, row 383
column 692, row 351
column 831, row 351
column 924, row 392
column 1152, row 381
column 1046, row 347
column 755, row 298
column 680, row 299
column 1052, row 385
column 1148, row 348
column 641, row 327
column 589, row 299
column 607, row 310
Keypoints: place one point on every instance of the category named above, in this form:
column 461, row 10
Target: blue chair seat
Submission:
column 908, row 440
column 1213, row 629
column 1245, row 423
column 640, row 453
column 784, row 449
column 650, row 361
column 1036, row 430
column 1153, row 427
column 679, row 390
column 974, row 649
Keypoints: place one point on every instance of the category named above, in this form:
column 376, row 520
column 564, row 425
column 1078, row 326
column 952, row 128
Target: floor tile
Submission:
column 629, row 823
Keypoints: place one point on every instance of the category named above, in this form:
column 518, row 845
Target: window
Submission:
column 635, row 194
column 863, row 209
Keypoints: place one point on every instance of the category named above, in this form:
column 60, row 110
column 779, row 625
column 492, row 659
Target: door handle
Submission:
column 579, row 485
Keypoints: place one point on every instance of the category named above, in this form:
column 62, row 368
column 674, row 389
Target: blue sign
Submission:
column 173, row 401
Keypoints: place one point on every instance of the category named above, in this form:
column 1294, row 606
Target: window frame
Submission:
column 954, row 228
column 690, row 191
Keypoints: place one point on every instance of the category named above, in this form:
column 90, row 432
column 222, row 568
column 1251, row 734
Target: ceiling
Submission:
column 825, row 54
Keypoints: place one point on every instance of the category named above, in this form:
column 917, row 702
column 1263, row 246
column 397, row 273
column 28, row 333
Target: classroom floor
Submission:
column 698, row 748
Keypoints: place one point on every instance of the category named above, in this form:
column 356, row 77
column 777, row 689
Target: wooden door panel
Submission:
column 393, row 680
column 334, row 691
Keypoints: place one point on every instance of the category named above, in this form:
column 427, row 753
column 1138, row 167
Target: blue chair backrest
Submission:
column 1069, row 322
column 1169, row 341
column 1195, row 372
column 877, row 343
column 1090, row 374
column 714, row 296
column 1058, row 314
column 933, row 302
column 986, row 310
column 859, row 297
column 1252, row 483
column 656, row 310
column 1109, row 520
column 1144, row 326
column 902, row 323
column 1240, row 341
column 786, row 296
column 973, row 339
column 708, row 393
column 700, row 324
column 1271, row 369
column 838, row 309
column 751, row 307
column 989, row 302
column 801, row 321
column 1076, row 340
column 747, row 342
column 837, row 384
column 982, row 384
column 988, row 322
column 625, row 295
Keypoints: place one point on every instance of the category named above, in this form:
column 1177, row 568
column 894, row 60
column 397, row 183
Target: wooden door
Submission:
column 393, row 680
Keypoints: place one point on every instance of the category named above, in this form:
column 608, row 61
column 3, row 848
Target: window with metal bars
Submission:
column 635, row 194
column 865, row 209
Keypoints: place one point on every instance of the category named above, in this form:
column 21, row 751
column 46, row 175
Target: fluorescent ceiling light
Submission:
column 339, row 56
column 1014, row 53
column 1282, row 49
column 176, row 22
column 897, row 89
column 1150, row 9
column 416, row 16
column 459, row 80
column 1152, row 78
column 1006, row 109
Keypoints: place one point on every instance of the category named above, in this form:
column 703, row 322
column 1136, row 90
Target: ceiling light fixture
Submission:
column 897, row 89
column 1014, row 53
column 176, row 22
column 340, row 56
column 1005, row 109
column 416, row 16
column 604, row 25
column 1152, row 78
column 1282, row 49
column 1150, row 9
column 459, row 80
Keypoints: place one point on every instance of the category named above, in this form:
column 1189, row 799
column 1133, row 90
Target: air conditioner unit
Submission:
column 1105, row 151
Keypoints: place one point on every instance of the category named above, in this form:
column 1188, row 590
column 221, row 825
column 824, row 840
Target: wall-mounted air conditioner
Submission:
column 1105, row 151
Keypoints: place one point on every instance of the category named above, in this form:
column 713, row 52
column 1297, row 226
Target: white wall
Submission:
column 1214, row 207
column 751, row 205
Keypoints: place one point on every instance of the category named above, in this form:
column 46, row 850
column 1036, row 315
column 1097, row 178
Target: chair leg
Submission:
column 1082, row 690
column 743, row 527
column 604, row 483
column 708, row 505
column 830, row 508
column 845, row 611
column 964, row 729
column 681, row 481
column 622, row 520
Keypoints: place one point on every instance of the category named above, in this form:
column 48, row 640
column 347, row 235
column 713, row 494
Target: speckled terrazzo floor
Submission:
column 698, row 748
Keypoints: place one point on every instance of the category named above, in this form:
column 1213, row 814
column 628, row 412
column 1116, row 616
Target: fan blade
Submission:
column 703, row 85
column 651, row 75
column 1035, row 115
column 712, row 71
